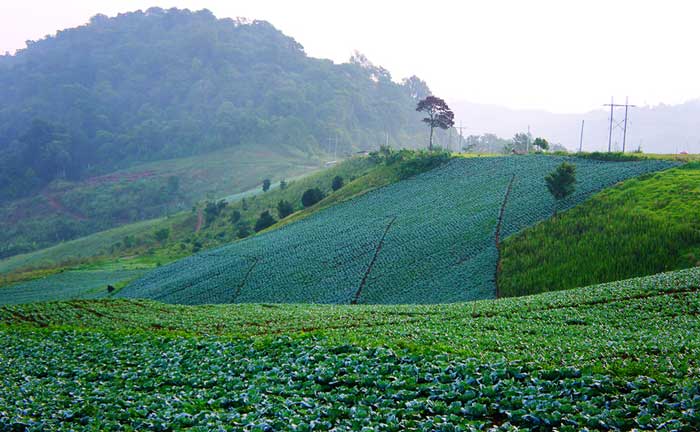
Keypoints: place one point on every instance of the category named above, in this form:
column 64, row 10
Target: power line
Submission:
column 612, row 106
column 580, row 142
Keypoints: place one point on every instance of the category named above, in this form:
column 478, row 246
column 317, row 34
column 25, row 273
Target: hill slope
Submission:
column 149, row 86
column 428, row 239
column 617, row 356
column 643, row 226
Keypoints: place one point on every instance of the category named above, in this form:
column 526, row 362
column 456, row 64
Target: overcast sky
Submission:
column 562, row 56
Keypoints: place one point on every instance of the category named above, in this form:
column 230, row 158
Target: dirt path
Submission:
column 358, row 293
column 498, row 234
column 200, row 219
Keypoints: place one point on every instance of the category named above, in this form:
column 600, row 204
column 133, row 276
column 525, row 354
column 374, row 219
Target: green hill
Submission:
column 428, row 239
column 85, row 266
column 618, row 356
column 88, row 115
column 643, row 226
column 68, row 210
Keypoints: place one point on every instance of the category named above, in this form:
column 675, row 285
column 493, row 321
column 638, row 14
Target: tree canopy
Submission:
column 439, row 114
column 160, row 84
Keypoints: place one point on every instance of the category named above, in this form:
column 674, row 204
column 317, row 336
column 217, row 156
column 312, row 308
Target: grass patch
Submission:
column 643, row 226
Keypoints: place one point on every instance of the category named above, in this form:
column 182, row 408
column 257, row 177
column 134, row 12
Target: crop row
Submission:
column 439, row 248
column 84, row 284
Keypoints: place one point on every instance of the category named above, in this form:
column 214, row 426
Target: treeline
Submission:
column 169, row 83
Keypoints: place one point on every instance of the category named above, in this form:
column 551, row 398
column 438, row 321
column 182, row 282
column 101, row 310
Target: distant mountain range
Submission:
column 657, row 129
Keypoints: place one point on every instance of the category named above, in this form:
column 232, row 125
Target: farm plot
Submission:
column 429, row 239
column 84, row 284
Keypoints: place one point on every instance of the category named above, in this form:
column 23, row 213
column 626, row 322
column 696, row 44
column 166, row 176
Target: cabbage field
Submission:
column 83, row 284
column 428, row 239
column 619, row 356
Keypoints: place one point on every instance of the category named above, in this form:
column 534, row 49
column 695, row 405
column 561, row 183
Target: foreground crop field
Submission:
column 428, row 239
column 603, row 239
column 611, row 357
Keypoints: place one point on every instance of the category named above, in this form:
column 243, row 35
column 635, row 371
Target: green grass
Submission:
column 68, row 210
column 643, row 226
column 137, row 239
column 616, row 356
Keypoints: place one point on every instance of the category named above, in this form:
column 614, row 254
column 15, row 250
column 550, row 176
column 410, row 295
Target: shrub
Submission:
column 337, row 183
column 235, row 216
column 265, row 220
column 243, row 230
column 162, row 234
column 311, row 197
column 284, row 209
column 266, row 185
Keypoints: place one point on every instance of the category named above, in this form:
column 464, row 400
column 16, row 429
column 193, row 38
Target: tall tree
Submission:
column 561, row 182
column 541, row 143
column 439, row 115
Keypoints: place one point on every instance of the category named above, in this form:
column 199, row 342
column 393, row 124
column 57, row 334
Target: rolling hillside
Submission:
column 136, row 116
column 619, row 356
column 428, row 239
column 69, row 210
column 643, row 226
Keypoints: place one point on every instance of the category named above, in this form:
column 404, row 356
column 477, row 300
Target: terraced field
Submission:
column 429, row 239
column 618, row 356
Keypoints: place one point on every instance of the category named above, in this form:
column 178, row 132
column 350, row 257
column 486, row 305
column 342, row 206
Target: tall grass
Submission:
column 641, row 227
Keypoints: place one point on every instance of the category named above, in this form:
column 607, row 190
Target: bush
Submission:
column 337, row 183
column 423, row 161
column 243, row 230
column 284, row 209
column 266, row 185
column 235, row 216
column 311, row 197
column 264, row 221
column 162, row 234
column 611, row 157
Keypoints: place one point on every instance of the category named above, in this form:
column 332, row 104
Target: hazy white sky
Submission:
column 563, row 56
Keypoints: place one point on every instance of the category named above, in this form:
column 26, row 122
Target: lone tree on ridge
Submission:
column 439, row 115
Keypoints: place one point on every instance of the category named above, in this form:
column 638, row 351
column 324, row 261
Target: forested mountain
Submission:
column 158, row 84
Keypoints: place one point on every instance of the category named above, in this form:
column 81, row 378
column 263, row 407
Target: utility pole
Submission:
column 580, row 142
column 612, row 106
column 624, row 133
column 461, row 135
column 528, row 139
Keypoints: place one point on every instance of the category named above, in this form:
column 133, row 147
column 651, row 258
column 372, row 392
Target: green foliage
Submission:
column 612, row 156
column 283, row 184
column 243, row 230
column 264, row 221
column 234, row 217
column 284, row 209
column 212, row 210
column 624, row 357
column 312, row 196
column 643, row 226
column 162, row 234
column 266, row 185
column 561, row 182
column 429, row 239
column 68, row 209
column 162, row 84
column 541, row 143
column 337, row 183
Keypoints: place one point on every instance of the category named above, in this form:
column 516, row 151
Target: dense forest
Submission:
column 159, row 84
